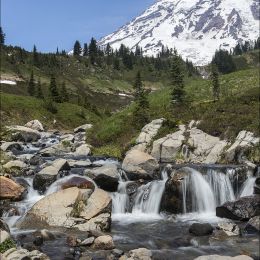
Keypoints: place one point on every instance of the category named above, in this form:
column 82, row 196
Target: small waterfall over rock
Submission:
column 221, row 186
column 146, row 201
column 248, row 187
column 198, row 190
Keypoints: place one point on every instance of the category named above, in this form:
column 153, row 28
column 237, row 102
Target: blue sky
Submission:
column 58, row 23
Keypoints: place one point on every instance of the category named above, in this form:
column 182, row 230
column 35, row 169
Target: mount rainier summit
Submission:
column 195, row 27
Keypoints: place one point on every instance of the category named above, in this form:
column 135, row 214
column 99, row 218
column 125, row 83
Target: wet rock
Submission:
column 242, row 209
column 83, row 128
column 80, row 137
column 4, row 226
column 199, row 229
column 253, row 225
column 78, row 182
column 11, row 146
column 49, row 174
column 139, row 165
column 106, row 177
column 45, row 234
column 35, row 125
column 17, row 164
column 138, row 254
column 83, row 150
column 147, row 134
column 87, row 242
column 117, row 252
column 257, row 186
column 172, row 200
column 24, row 134
column 104, row 243
column 55, row 150
column 10, row 189
column 4, row 235
column 79, row 164
column 220, row 257
column 99, row 202
column 22, row 254
column 38, row 241
column 71, row 241
column 67, row 138
column 36, row 160
column 230, row 229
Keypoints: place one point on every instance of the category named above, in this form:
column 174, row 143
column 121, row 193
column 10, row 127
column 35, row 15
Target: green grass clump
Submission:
column 109, row 150
column 6, row 245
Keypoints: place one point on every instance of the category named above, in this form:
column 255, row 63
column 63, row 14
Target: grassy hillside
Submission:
column 238, row 109
column 21, row 109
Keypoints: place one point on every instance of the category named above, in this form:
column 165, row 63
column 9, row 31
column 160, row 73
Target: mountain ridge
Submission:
column 196, row 30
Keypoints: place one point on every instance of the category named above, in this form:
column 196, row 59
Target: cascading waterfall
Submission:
column 248, row 187
column 221, row 186
column 198, row 189
column 147, row 200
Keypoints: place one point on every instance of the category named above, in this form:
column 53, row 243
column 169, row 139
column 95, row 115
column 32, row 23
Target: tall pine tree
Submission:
column 64, row 92
column 31, row 85
column 215, row 82
column 77, row 49
column 177, row 76
column 39, row 93
column 141, row 111
column 2, row 36
column 35, row 56
column 93, row 51
column 54, row 94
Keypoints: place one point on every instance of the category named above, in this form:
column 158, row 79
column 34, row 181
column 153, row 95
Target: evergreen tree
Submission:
column 2, row 36
column 116, row 64
column 85, row 50
column 31, row 85
column 177, row 75
column 54, row 94
column 93, row 51
column 57, row 51
column 39, row 93
column 64, row 92
column 237, row 50
column 77, row 49
column 35, row 56
column 257, row 44
column 224, row 61
column 108, row 50
column 215, row 82
column 141, row 111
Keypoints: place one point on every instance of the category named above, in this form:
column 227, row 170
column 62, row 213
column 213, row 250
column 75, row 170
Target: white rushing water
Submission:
column 248, row 187
column 199, row 191
column 146, row 204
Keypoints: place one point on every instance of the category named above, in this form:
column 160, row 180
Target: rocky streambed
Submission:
column 59, row 202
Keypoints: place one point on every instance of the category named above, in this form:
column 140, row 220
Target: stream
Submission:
column 139, row 222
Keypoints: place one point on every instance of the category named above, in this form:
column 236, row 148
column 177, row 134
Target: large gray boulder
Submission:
column 139, row 165
column 11, row 190
column 106, row 177
column 20, row 254
column 205, row 148
column 56, row 150
column 242, row 209
column 253, row 225
column 147, row 134
column 167, row 148
column 35, row 125
column 24, row 134
column 49, row 174
column 83, row 150
column 244, row 140
column 137, row 254
column 11, row 146
column 83, row 128
column 71, row 208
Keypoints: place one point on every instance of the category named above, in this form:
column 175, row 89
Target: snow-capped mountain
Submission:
column 195, row 27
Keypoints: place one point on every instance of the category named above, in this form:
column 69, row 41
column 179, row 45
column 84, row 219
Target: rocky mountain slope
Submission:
column 196, row 28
